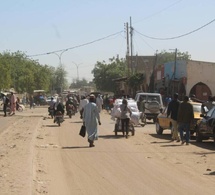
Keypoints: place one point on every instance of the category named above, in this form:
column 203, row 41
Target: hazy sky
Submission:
column 42, row 26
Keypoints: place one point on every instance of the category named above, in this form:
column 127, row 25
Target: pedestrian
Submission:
column 142, row 110
column 172, row 111
column 12, row 103
column 99, row 102
column 90, row 118
column 83, row 102
column 185, row 117
column 5, row 104
column 31, row 101
column 125, row 117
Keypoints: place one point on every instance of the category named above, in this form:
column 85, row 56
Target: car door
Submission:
column 210, row 121
column 163, row 120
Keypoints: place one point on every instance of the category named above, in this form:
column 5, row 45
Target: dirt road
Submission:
column 38, row 157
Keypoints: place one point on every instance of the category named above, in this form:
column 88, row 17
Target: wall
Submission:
column 181, row 69
column 198, row 71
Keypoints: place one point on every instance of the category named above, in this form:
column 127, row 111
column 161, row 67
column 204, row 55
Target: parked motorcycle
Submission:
column 58, row 118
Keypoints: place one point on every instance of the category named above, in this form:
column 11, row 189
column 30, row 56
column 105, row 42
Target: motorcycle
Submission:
column 51, row 112
column 71, row 110
column 58, row 118
column 19, row 107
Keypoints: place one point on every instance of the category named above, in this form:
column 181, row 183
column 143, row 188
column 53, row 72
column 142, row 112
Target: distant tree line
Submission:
column 25, row 75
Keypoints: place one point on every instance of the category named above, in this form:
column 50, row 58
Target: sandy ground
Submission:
column 38, row 157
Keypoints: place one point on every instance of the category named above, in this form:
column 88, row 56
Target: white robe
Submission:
column 99, row 103
column 90, row 115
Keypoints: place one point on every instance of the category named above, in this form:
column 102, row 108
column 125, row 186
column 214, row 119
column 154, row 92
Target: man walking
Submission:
column 83, row 102
column 99, row 102
column 5, row 104
column 185, row 116
column 172, row 111
column 90, row 117
column 12, row 104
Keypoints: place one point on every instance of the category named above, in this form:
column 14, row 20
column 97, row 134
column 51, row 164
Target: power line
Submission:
column 176, row 37
column 77, row 46
column 162, row 10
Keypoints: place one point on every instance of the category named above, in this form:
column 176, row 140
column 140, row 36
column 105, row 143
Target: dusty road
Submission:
column 38, row 157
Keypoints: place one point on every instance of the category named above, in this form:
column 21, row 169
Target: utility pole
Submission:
column 61, row 81
column 127, row 52
column 131, row 34
column 175, row 63
column 77, row 66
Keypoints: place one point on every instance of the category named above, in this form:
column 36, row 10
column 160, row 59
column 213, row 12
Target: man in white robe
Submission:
column 99, row 102
column 90, row 118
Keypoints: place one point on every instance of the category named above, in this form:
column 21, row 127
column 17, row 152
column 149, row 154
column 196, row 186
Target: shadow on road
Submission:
column 209, row 145
column 50, row 125
column 76, row 122
column 211, row 173
column 111, row 136
column 162, row 137
column 74, row 147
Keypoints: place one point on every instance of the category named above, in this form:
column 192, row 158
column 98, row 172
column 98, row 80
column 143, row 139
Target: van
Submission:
column 153, row 104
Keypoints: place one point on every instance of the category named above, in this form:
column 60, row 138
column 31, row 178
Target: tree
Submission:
column 25, row 75
column 135, row 81
column 78, row 83
column 165, row 56
column 104, row 73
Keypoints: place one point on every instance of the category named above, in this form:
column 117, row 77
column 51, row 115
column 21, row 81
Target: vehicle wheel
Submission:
column 214, row 136
column 132, row 131
column 58, row 121
column 143, row 119
column 171, row 128
column 159, row 129
column 20, row 109
column 116, row 129
column 199, row 137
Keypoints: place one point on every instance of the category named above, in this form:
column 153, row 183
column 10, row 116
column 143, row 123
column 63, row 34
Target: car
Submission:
column 153, row 104
column 206, row 126
column 48, row 100
column 164, row 123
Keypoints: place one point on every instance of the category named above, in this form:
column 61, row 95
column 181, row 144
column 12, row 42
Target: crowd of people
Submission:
column 89, row 107
column 182, row 116
column 11, row 102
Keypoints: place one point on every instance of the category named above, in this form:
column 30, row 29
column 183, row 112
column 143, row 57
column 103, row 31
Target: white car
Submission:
column 48, row 100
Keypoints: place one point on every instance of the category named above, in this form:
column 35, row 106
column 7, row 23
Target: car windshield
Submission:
column 196, row 107
column 153, row 99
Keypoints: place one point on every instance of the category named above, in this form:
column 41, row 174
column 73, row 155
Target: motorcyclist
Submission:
column 59, row 107
column 51, row 105
column 69, row 103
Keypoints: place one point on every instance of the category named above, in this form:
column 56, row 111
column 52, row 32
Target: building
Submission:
column 186, row 77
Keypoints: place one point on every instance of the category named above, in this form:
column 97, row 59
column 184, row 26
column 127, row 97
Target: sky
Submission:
column 80, row 33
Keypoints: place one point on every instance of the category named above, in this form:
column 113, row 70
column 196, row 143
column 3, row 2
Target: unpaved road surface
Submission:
column 38, row 157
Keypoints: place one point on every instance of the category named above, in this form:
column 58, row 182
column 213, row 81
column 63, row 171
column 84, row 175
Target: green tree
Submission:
column 78, row 83
column 25, row 75
column 104, row 73
column 165, row 56
column 135, row 81
column 60, row 78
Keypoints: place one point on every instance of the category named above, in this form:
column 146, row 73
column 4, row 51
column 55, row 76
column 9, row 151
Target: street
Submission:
column 59, row 160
